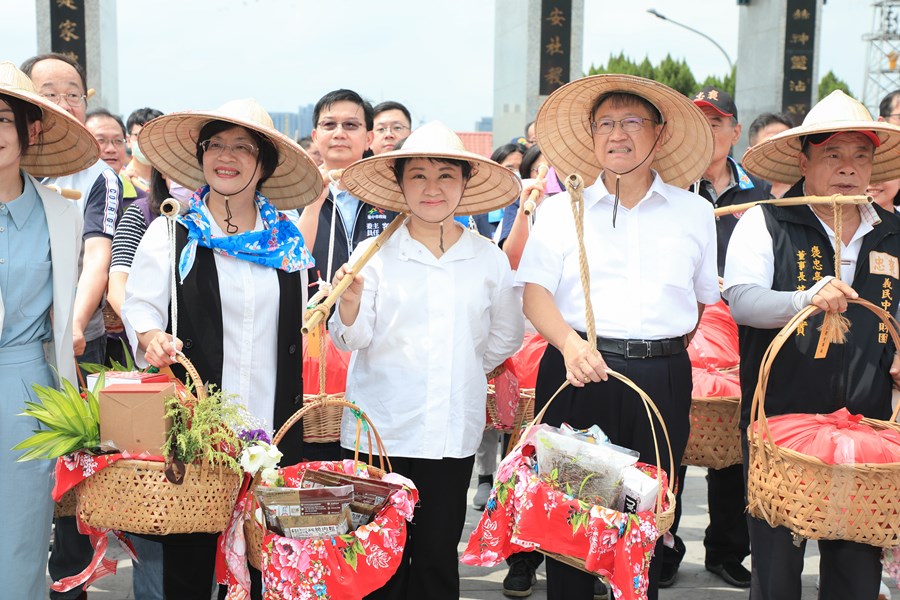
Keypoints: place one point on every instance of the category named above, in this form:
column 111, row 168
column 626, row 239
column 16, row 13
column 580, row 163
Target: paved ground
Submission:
column 694, row 581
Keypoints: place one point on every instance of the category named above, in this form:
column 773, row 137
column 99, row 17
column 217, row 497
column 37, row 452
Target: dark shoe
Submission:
column 518, row 582
column 733, row 573
column 601, row 592
column 669, row 575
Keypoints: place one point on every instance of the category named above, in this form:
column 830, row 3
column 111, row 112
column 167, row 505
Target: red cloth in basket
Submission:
column 836, row 438
column 524, row 363
column 523, row 512
column 715, row 384
column 715, row 345
column 345, row 567
column 336, row 364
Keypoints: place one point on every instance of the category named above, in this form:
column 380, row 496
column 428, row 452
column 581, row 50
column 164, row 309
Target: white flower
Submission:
column 259, row 456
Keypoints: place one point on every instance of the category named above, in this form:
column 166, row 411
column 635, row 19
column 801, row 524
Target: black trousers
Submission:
column 619, row 412
column 846, row 569
column 430, row 566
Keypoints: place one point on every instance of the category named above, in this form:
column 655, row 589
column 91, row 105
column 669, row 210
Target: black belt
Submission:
column 642, row 348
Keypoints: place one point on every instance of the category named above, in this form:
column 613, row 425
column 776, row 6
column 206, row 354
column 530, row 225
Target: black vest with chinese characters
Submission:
column 854, row 374
column 200, row 328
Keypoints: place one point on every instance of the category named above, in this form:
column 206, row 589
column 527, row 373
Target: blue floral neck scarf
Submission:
column 278, row 245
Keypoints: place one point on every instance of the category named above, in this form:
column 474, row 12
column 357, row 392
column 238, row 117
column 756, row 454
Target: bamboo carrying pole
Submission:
column 171, row 208
column 531, row 203
column 320, row 312
column 65, row 192
column 829, row 200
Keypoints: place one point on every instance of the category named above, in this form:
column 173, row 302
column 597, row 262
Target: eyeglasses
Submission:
column 395, row 129
column 241, row 149
column 629, row 125
column 72, row 100
column 117, row 143
column 349, row 126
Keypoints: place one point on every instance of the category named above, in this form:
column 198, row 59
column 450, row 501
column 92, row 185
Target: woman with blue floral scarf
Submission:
column 241, row 278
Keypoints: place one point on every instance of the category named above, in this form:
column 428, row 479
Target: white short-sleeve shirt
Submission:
column 647, row 273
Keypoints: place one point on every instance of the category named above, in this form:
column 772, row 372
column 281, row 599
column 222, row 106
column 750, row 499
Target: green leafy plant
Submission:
column 206, row 430
column 71, row 421
column 94, row 368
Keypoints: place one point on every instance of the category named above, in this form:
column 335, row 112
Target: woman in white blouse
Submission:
column 241, row 280
column 427, row 318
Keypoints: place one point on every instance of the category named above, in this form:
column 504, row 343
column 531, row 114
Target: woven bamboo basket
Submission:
column 322, row 426
column 715, row 439
column 253, row 528
column 665, row 518
column 524, row 411
column 855, row 502
column 66, row 507
column 135, row 496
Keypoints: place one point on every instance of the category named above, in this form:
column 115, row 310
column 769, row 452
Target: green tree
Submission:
column 674, row 73
column 723, row 83
column 831, row 82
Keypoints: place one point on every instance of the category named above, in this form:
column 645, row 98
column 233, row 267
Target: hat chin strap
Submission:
column 229, row 226
column 619, row 175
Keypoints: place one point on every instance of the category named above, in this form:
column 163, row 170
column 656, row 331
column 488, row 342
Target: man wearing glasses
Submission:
column 392, row 124
column 60, row 79
column 651, row 248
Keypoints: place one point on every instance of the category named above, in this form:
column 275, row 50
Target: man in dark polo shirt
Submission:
column 780, row 260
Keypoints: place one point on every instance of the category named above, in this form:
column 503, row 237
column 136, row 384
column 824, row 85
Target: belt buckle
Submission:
column 641, row 349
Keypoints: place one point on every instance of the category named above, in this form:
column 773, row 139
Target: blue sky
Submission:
column 435, row 57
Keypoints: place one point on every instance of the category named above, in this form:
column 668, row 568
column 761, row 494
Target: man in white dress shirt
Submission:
column 651, row 249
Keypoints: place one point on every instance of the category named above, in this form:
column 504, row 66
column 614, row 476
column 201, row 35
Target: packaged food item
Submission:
column 307, row 513
column 639, row 491
column 592, row 434
column 369, row 495
column 581, row 469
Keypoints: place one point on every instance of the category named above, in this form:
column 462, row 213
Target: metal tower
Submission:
column 882, row 73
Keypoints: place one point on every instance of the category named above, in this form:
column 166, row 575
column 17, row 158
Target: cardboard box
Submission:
column 114, row 377
column 132, row 417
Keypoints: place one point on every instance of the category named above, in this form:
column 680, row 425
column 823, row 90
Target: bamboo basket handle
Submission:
column 757, row 408
column 199, row 387
column 383, row 458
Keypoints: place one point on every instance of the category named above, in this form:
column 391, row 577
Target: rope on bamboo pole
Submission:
column 835, row 326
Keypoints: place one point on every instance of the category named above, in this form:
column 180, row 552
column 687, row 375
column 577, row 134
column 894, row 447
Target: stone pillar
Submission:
column 783, row 34
column 518, row 53
column 86, row 30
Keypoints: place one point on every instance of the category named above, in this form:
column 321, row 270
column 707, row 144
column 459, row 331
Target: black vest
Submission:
column 369, row 222
column 854, row 374
column 200, row 328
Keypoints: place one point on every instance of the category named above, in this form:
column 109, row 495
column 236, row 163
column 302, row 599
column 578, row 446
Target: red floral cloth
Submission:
column 836, row 438
column 524, row 513
column 339, row 568
column 715, row 345
column 71, row 470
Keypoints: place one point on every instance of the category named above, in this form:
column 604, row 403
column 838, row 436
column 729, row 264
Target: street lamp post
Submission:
column 658, row 15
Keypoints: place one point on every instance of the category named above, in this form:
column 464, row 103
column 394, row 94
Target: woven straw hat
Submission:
column 170, row 143
column 564, row 130
column 65, row 146
column 776, row 158
column 489, row 188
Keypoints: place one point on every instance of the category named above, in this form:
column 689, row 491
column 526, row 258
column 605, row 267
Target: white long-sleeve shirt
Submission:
column 249, row 294
column 428, row 331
